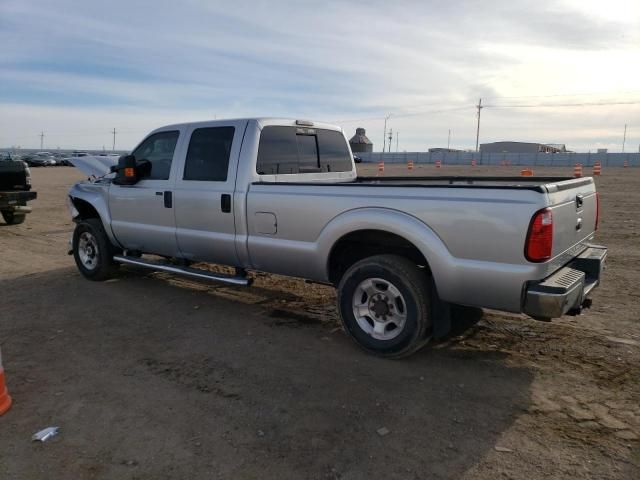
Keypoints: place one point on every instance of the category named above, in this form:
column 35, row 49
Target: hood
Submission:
column 94, row 165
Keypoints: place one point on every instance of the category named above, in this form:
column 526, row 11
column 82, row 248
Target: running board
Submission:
column 186, row 271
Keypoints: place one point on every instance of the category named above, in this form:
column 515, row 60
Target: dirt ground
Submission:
column 150, row 376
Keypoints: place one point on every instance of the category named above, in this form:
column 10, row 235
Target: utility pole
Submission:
column 479, row 107
column 113, row 149
column 390, row 138
column 384, row 135
column 624, row 137
column 449, row 139
column 396, row 141
column 41, row 140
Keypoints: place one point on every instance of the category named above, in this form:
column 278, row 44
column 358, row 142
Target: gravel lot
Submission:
column 151, row 376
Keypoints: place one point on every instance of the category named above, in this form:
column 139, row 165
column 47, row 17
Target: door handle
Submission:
column 225, row 202
column 168, row 199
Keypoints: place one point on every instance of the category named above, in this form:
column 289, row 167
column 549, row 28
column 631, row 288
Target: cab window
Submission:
column 208, row 154
column 286, row 150
column 158, row 149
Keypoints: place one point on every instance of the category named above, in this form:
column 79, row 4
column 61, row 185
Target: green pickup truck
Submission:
column 15, row 190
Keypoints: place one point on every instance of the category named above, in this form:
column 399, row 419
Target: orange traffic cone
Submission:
column 597, row 169
column 527, row 172
column 5, row 399
column 577, row 170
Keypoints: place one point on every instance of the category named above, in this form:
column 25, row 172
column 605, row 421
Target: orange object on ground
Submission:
column 5, row 399
column 438, row 163
column 577, row 170
column 473, row 163
column 597, row 169
column 381, row 166
column 527, row 172
column 410, row 164
column 626, row 163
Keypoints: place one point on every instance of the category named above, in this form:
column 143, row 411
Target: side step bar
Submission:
column 240, row 280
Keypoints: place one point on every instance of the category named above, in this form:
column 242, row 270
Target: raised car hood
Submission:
column 95, row 166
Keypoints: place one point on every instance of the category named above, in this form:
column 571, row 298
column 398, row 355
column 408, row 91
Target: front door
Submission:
column 142, row 215
column 204, row 190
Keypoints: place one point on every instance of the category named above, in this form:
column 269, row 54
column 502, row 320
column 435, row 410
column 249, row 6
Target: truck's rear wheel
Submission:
column 11, row 218
column 385, row 305
column 93, row 251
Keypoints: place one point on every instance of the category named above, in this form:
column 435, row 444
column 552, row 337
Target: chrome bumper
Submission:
column 567, row 289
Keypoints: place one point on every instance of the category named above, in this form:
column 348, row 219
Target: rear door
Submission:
column 204, row 190
column 142, row 216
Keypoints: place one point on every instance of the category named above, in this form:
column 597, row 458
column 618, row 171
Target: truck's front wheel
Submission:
column 385, row 305
column 93, row 251
column 11, row 218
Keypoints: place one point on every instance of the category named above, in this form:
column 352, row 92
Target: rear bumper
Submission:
column 567, row 289
column 16, row 201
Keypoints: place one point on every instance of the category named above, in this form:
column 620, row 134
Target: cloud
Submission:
column 339, row 60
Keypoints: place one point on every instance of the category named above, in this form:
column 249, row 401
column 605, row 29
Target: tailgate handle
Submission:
column 579, row 224
column 579, row 200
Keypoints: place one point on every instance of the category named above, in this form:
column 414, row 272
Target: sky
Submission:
column 549, row 71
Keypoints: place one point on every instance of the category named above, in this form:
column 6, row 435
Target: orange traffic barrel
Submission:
column 410, row 164
column 438, row 163
column 597, row 169
column 381, row 166
column 577, row 170
column 5, row 399
column 626, row 163
column 473, row 163
column 527, row 172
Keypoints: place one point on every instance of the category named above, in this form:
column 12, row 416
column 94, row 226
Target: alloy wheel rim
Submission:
column 379, row 308
column 88, row 250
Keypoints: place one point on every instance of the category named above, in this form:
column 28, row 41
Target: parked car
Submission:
column 15, row 190
column 357, row 159
column 283, row 196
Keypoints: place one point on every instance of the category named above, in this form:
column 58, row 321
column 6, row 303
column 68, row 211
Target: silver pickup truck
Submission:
column 283, row 196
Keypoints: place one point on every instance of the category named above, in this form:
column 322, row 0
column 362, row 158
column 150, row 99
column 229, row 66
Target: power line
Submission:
column 562, row 105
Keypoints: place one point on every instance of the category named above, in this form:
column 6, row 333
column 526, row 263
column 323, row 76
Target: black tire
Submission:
column 414, row 288
column 11, row 218
column 90, row 238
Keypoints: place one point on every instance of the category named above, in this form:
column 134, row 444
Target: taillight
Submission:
column 539, row 243
column 597, row 210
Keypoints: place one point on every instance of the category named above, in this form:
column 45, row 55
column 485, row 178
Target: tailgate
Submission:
column 574, row 205
column 12, row 175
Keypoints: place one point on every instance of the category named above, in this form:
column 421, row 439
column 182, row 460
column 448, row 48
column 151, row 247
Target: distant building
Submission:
column 523, row 147
column 603, row 150
column 360, row 143
column 443, row 150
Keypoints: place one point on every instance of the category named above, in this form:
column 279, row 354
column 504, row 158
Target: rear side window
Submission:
column 208, row 154
column 286, row 150
column 334, row 153
column 158, row 149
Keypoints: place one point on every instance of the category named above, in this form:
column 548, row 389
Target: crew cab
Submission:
column 15, row 190
column 283, row 196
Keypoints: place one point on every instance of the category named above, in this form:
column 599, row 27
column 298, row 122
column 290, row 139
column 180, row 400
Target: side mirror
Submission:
column 126, row 171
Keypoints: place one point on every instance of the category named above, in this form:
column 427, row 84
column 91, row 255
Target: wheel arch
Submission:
column 91, row 202
column 378, row 228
